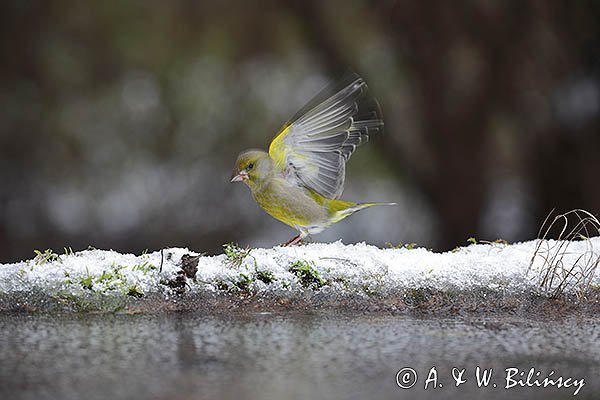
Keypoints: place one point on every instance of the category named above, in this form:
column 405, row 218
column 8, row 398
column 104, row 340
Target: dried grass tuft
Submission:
column 556, row 268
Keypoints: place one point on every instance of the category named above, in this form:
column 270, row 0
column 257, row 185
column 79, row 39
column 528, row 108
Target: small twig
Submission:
column 161, row 260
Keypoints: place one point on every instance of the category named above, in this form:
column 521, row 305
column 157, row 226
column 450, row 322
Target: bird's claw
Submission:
column 293, row 241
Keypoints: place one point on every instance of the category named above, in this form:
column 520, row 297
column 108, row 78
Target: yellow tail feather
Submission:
column 340, row 212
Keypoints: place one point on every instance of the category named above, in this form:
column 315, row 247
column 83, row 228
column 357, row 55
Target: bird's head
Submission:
column 253, row 167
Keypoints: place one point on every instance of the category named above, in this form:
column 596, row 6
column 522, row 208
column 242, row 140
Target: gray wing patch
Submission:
column 321, row 140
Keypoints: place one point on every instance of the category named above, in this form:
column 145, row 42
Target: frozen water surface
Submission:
column 287, row 356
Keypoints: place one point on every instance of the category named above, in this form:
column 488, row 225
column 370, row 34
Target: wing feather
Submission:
column 313, row 147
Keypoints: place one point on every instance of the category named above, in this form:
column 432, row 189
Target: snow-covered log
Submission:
column 488, row 275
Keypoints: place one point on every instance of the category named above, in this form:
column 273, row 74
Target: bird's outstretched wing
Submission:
column 312, row 148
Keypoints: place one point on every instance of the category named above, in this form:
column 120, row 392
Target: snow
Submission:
column 354, row 269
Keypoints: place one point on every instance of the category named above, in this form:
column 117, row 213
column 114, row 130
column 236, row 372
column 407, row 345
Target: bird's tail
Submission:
column 354, row 207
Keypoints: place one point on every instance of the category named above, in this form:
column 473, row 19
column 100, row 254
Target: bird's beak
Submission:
column 240, row 177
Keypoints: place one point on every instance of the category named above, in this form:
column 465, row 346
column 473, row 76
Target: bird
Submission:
column 299, row 180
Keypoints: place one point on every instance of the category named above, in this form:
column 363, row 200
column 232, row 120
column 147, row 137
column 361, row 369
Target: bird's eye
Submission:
column 250, row 166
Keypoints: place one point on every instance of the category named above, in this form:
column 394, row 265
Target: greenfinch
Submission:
column 299, row 180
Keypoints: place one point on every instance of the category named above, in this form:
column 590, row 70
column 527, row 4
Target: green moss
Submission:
column 86, row 282
column 243, row 283
column 135, row 291
column 46, row 256
column 91, row 302
column 307, row 275
column 145, row 267
column 265, row 276
column 112, row 277
column 235, row 254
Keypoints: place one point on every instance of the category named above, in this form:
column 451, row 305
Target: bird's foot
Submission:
column 293, row 241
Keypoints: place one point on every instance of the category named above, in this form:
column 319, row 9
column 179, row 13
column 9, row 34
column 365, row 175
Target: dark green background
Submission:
column 120, row 120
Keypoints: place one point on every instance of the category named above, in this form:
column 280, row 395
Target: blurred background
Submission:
column 120, row 121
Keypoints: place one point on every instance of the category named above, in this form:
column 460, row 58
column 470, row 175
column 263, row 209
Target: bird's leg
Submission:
column 293, row 241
